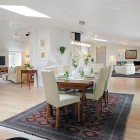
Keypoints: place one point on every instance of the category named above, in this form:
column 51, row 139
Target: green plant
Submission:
column 62, row 49
column 27, row 65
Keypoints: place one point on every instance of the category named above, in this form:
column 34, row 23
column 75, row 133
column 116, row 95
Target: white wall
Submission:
column 54, row 38
column 112, row 50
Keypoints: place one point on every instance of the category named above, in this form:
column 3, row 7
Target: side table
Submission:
column 29, row 73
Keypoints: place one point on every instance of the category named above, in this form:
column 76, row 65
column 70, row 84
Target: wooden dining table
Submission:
column 80, row 85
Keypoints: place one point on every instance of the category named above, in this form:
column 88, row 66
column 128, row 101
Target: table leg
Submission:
column 37, row 79
column 21, row 80
column 84, row 106
column 29, row 79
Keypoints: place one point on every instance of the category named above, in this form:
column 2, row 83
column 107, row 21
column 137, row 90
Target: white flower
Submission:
column 87, row 58
column 75, row 60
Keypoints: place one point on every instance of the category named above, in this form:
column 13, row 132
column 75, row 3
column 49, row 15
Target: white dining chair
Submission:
column 97, row 94
column 108, row 75
column 53, row 68
column 54, row 98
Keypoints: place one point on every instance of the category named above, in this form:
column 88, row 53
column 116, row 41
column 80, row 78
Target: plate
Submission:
column 60, row 76
column 89, row 76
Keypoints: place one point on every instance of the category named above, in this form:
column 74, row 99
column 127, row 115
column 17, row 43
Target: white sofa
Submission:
column 125, row 69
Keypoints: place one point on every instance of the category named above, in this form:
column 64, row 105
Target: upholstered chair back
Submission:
column 108, row 74
column 53, row 68
column 100, row 84
column 97, row 67
column 50, row 88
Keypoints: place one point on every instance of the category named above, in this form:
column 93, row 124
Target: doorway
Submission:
column 15, row 59
column 101, row 55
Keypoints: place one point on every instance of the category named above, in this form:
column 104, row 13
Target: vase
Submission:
column 75, row 73
column 86, row 70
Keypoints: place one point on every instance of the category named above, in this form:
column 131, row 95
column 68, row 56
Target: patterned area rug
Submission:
column 136, row 75
column 110, row 126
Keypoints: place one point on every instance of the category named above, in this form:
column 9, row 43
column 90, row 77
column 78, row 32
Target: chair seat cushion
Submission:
column 66, row 99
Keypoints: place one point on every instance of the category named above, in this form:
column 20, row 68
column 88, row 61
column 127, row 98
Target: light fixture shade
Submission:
column 72, row 42
column 80, row 43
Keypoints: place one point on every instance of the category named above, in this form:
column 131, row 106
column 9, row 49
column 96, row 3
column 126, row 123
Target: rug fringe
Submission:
column 25, row 135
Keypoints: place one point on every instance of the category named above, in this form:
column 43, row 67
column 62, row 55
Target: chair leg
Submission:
column 101, row 100
column 66, row 110
column 107, row 97
column 57, row 117
column 78, row 111
column 51, row 110
column 48, row 112
column 97, row 111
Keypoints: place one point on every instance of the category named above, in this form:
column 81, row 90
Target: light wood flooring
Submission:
column 14, row 100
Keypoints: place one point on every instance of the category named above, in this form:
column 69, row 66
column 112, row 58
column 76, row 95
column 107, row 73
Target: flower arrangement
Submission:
column 75, row 60
column 87, row 58
column 28, row 66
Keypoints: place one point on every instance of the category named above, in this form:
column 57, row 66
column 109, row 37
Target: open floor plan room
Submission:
column 15, row 100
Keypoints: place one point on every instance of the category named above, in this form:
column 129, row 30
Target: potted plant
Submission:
column 28, row 66
column 62, row 49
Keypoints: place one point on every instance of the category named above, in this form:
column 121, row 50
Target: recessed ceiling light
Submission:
column 23, row 10
column 97, row 39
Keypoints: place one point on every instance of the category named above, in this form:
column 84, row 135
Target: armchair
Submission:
column 15, row 75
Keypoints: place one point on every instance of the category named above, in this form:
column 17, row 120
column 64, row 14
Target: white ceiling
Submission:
column 117, row 21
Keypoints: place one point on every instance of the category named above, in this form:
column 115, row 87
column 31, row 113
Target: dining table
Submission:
column 81, row 84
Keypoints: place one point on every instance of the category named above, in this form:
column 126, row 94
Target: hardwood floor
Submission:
column 14, row 100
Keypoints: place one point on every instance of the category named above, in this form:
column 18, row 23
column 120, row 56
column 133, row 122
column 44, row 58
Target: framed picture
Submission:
column 131, row 54
column 42, row 43
column 42, row 55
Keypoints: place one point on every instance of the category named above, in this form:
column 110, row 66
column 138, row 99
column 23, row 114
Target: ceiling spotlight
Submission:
column 28, row 34
column 16, row 36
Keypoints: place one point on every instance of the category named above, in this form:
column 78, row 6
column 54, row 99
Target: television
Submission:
column 77, row 36
column 2, row 60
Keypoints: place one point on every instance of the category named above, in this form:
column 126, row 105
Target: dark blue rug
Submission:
column 136, row 75
column 110, row 126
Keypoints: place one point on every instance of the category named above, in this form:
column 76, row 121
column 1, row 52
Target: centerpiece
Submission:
column 87, row 58
column 75, row 61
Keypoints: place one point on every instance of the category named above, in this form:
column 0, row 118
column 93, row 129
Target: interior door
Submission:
column 101, row 55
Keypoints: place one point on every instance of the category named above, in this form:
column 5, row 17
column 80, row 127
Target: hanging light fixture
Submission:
column 77, row 40
column 80, row 43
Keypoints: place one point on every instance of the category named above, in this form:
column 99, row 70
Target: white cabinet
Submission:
column 125, row 69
